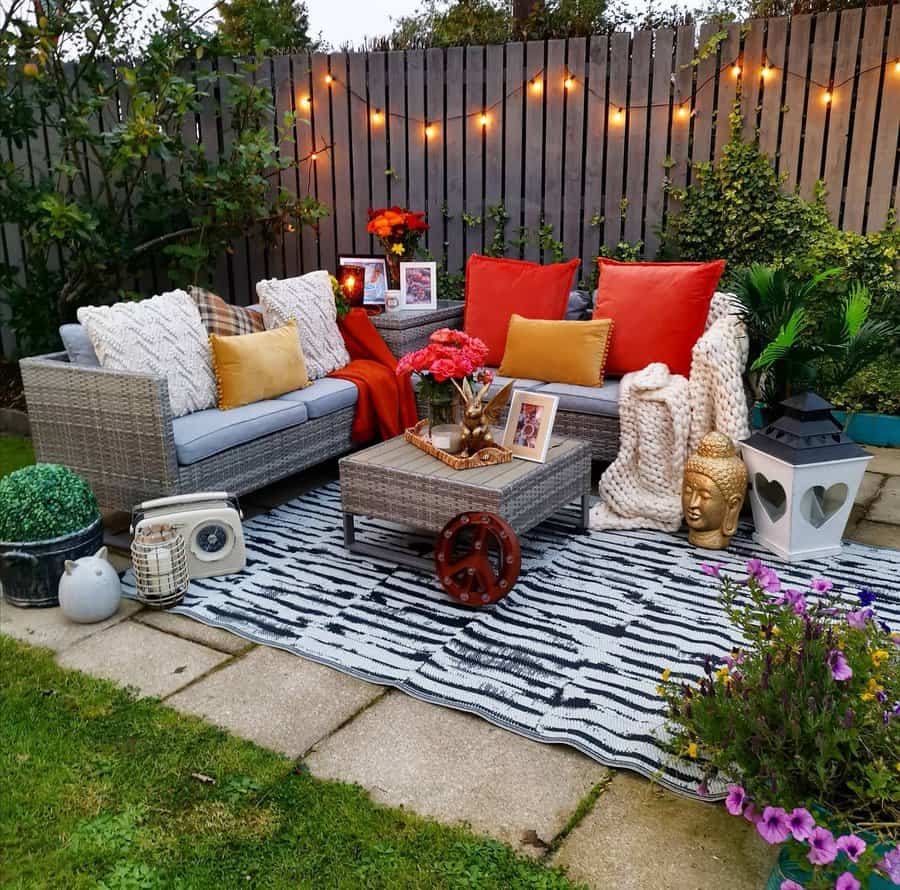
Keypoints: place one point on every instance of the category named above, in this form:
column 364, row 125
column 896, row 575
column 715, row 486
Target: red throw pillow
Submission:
column 497, row 288
column 658, row 310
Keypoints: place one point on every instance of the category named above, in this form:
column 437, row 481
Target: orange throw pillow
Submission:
column 658, row 310
column 496, row 288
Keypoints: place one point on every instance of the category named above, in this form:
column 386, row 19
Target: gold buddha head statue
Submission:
column 715, row 484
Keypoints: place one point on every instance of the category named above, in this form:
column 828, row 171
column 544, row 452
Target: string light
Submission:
column 897, row 67
column 827, row 97
column 314, row 155
column 376, row 116
column 736, row 69
column 766, row 70
column 618, row 115
column 537, row 86
column 569, row 82
column 429, row 131
column 306, row 101
column 483, row 119
column 682, row 111
column 329, row 79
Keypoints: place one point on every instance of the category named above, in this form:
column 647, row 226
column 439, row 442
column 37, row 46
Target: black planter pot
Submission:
column 30, row 571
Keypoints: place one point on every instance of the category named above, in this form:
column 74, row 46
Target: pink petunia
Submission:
column 859, row 618
column 736, row 799
column 840, row 669
column 822, row 848
column 801, row 823
column 790, row 885
column 847, row 882
column 712, row 570
column 820, row 585
column 852, row 845
column 773, row 826
column 751, row 814
column 890, row 865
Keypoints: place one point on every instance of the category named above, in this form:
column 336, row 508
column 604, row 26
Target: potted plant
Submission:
column 450, row 355
column 791, row 349
column 803, row 721
column 399, row 231
column 47, row 516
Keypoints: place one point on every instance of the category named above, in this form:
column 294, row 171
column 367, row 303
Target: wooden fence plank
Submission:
column 258, row 260
column 306, row 170
column 729, row 82
column 597, row 114
column 287, row 179
column 474, row 137
column 638, row 120
column 619, row 51
column 434, row 151
column 415, row 129
column 377, row 134
column 555, row 93
column 513, row 112
column 660, row 115
column 454, row 128
column 322, row 91
column 886, row 146
column 344, row 211
column 533, row 149
column 705, row 101
column 359, row 150
column 493, row 144
column 394, row 122
column 751, row 76
column 816, row 107
column 795, row 89
column 864, row 118
column 573, row 164
column 773, row 85
column 839, row 125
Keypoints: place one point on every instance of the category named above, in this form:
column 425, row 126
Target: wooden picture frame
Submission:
column 418, row 285
column 529, row 425
column 376, row 281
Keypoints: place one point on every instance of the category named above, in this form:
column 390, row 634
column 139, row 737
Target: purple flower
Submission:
column 769, row 581
column 712, row 570
column 774, row 827
column 866, row 597
column 801, row 823
column 820, row 585
column 754, row 568
column 790, row 885
column 736, row 799
column 847, row 882
column 822, row 848
column 890, row 865
column 881, row 696
column 840, row 670
column 859, row 618
column 751, row 814
column 703, row 789
column 852, row 845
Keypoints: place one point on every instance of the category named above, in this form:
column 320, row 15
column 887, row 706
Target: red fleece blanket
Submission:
column 386, row 404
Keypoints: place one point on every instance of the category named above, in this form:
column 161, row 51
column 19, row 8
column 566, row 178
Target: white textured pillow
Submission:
column 162, row 336
column 309, row 300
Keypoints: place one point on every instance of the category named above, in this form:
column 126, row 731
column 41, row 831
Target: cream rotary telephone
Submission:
column 209, row 522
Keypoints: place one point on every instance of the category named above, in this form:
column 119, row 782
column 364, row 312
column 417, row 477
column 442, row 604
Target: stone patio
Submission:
column 607, row 829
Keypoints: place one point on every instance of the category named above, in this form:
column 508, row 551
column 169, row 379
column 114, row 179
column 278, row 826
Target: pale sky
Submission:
column 342, row 20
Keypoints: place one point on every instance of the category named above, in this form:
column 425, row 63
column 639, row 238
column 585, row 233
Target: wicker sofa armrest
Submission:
column 114, row 428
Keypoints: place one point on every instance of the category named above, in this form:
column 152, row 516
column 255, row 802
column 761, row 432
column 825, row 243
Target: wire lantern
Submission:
column 159, row 561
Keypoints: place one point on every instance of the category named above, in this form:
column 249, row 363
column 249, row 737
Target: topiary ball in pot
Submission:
column 48, row 514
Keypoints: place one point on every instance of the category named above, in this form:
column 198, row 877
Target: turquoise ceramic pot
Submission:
column 785, row 869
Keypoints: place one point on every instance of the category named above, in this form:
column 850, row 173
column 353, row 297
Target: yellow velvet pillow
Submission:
column 252, row 367
column 557, row 351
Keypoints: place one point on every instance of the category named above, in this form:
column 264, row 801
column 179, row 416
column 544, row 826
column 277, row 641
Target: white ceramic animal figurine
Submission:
column 89, row 589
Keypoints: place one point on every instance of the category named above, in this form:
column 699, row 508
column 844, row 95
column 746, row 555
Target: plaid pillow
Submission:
column 221, row 318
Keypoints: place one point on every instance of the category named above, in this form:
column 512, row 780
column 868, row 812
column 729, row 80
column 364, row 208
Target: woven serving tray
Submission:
column 497, row 454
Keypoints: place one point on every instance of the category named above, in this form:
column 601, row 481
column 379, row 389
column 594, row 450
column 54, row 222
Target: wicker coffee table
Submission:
column 396, row 481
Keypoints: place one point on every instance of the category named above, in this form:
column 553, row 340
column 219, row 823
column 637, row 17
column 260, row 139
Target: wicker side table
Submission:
column 410, row 329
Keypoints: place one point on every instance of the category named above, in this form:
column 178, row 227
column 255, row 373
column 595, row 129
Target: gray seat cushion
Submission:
column 325, row 396
column 78, row 345
column 205, row 433
column 603, row 400
column 520, row 383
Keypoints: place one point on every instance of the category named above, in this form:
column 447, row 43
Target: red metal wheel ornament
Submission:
column 477, row 558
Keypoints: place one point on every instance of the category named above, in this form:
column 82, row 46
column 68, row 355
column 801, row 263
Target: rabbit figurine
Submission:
column 477, row 417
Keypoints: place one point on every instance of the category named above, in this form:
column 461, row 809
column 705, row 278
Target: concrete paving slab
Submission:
column 196, row 631
column 887, row 460
column 869, row 488
column 135, row 655
column 879, row 534
column 456, row 767
column 639, row 836
column 50, row 628
column 277, row 700
column 886, row 507
column 857, row 514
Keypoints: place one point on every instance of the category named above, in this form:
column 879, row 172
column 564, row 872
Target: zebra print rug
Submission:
column 573, row 654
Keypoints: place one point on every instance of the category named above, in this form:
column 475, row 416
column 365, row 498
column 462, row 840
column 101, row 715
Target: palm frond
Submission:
column 855, row 306
column 784, row 340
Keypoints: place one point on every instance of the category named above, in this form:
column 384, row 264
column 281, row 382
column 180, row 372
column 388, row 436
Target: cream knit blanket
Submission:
column 663, row 417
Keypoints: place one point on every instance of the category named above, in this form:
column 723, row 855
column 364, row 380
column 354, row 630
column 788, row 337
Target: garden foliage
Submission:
column 44, row 501
column 123, row 197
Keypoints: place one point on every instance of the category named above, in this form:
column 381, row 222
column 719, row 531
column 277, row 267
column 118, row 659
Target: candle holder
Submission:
column 159, row 560
column 352, row 280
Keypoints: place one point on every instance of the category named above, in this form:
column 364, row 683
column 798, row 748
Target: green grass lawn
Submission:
column 101, row 790
column 14, row 453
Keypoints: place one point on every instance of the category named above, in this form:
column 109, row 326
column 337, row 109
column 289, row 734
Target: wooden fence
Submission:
column 580, row 135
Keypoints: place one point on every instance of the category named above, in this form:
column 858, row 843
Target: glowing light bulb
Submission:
column 766, row 71
column 537, row 86
column 376, row 116
column 329, row 79
column 290, row 227
column 483, row 120
column 429, row 131
column 306, row 101
column 897, row 67
column 826, row 97
column 313, row 156
column 682, row 111
column 569, row 82
column 736, row 69
column 618, row 115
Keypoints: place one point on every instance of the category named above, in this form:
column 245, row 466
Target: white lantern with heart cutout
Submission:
column 804, row 474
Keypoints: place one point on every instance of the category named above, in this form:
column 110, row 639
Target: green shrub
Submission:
column 736, row 210
column 44, row 501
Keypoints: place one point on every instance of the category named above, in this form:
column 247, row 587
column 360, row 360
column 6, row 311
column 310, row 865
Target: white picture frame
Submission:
column 375, row 287
column 529, row 426
column 418, row 285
